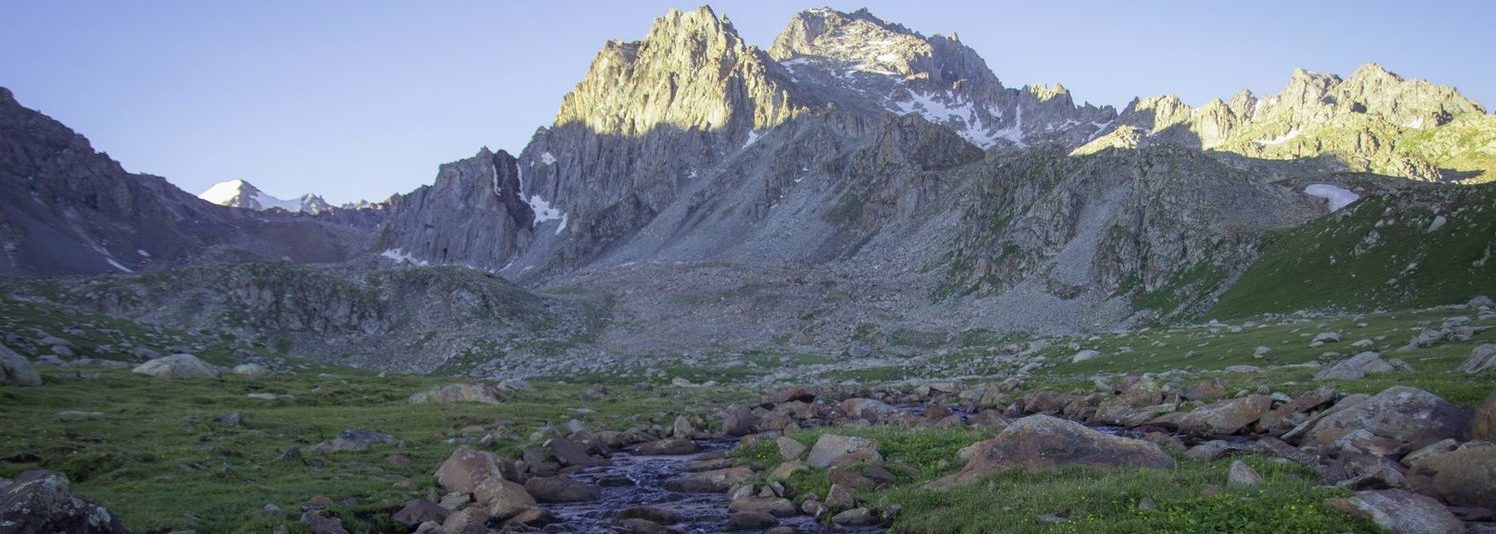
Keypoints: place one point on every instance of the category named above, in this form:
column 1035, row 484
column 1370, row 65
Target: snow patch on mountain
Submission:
column 401, row 256
column 1280, row 139
column 1338, row 197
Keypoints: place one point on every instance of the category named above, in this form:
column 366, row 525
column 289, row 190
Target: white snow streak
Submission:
column 1338, row 197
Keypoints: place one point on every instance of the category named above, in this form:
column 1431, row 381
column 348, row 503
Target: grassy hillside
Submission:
column 1418, row 247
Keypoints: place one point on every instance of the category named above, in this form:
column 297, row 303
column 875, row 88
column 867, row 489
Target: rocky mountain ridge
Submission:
column 856, row 180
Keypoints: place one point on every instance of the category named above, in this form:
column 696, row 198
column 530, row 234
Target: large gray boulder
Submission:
column 1463, row 477
column 177, row 366
column 451, row 393
column 1483, row 426
column 465, row 469
column 16, row 370
column 1401, row 512
column 40, row 501
column 1355, row 368
column 1041, row 442
column 1482, row 360
column 1221, row 418
column 1413, row 417
column 835, row 449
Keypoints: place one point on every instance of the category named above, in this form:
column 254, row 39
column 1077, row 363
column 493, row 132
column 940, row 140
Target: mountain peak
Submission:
column 239, row 193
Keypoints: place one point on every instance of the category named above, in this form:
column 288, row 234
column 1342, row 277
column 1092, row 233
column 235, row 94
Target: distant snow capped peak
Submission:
column 242, row 194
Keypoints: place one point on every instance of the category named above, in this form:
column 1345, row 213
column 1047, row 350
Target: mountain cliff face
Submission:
column 479, row 195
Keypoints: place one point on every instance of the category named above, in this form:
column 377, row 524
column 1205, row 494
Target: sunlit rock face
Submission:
column 479, row 195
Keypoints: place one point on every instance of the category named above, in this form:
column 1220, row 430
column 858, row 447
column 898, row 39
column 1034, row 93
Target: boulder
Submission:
column 450, row 393
column 782, row 396
column 560, row 489
column 1482, row 360
column 321, row 524
column 352, row 440
column 465, row 469
column 1206, row 391
column 16, row 370
column 738, row 420
column 1283, row 418
column 683, row 428
column 789, row 449
column 665, row 447
column 1411, row 416
column 1463, row 477
column 417, row 511
column 856, row 517
column 40, row 501
column 663, row 516
column 1041, row 442
column 568, row 452
column 1327, row 337
column 1225, row 417
column 776, row 506
column 252, row 370
column 869, row 409
column 1355, row 368
column 750, row 521
column 177, row 366
column 1400, row 512
column 471, row 520
column 1242, row 475
column 1085, row 355
column 834, row 449
column 714, row 481
column 1483, row 424
column 504, row 499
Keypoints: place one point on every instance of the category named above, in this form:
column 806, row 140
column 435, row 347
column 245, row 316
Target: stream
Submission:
column 637, row 480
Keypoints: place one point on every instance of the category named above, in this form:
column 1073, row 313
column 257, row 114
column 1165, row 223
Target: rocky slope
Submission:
column 399, row 319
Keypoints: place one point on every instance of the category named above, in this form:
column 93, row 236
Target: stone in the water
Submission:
column 833, row 449
column 16, row 370
column 41, row 501
column 856, row 517
column 450, row 393
column 663, row 516
column 716, row 481
column 738, row 420
column 869, row 409
column 560, row 489
column 417, row 511
column 750, row 521
column 505, row 499
column 1401, row 512
column 1040, row 442
column 1225, row 417
column 776, row 506
column 665, row 447
column 177, row 366
column 472, row 520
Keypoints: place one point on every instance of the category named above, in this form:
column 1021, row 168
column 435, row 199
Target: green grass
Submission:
column 1092, row 500
column 1377, row 254
column 157, row 459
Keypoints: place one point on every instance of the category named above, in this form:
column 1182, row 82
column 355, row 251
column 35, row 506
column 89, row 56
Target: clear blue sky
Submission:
column 361, row 99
